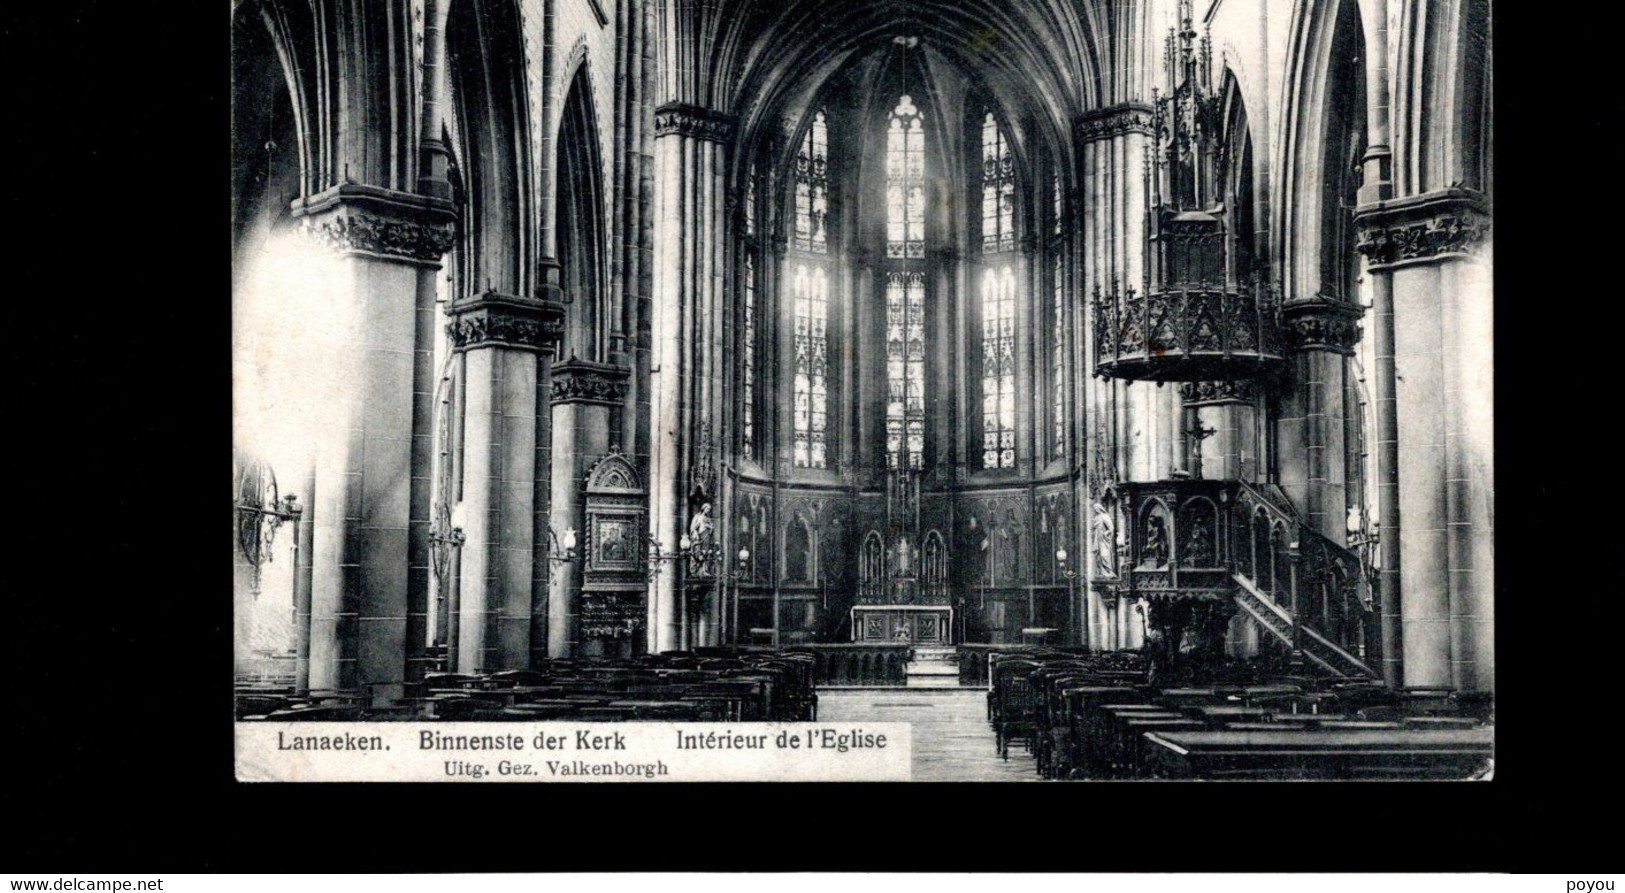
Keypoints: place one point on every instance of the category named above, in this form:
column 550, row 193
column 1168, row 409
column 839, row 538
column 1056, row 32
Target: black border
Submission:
column 118, row 703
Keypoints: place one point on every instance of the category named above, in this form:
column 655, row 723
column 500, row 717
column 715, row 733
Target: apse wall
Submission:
column 805, row 528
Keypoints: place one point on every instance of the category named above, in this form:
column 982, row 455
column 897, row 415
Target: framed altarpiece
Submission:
column 615, row 574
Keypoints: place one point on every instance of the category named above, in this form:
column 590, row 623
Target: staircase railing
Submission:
column 1319, row 586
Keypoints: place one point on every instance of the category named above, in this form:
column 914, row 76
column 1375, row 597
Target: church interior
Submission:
column 1105, row 385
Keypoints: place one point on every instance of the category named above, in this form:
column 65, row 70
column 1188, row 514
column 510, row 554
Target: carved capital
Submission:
column 691, row 120
column 497, row 320
column 578, row 381
column 367, row 220
column 1320, row 324
column 1115, row 120
column 1449, row 223
column 1207, row 393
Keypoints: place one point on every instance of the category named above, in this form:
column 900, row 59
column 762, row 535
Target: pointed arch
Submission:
column 934, row 559
column 486, row 78
column 1243, row 183
column 1441, row 122
column 1324, row 130
column 872, row 565
column 799, row 554
column 578, row 220
column 269, row 154
column 614, row 474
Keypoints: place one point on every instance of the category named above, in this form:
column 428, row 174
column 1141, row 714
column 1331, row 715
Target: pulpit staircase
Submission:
column 1277, row 621
column 1325, row 571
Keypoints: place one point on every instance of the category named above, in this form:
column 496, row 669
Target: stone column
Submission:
column 363, row 589
column 1229, row 408
column 1428, row 260
column 302, row 574
column 507, row 343
column 1113, row 143
column 583, row 394
column 1321, row 334
column 688, row 275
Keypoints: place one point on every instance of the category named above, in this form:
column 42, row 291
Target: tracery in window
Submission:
column 998, row 367
column 747, row 352
column 998, row 189
column 810, row 304
column 1058, row 363
column 812, row 188
column 905, row 370
column 905, row 181
column 750, row 201
column 1058, row 209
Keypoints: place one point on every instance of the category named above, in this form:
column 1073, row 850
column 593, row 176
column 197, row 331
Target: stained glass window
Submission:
column 812, row 188
column 998, row 189
column 998, row 367
column 747, row 413
column 905, row 181
column 810, row 303
column 1059, row 209
column 750, row 201
column 905, row 370
column 1058, row 361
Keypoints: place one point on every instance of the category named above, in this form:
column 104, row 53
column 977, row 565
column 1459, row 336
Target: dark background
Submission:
column 117, row 634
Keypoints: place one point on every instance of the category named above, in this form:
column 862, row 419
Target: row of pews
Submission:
column 1098, row 717
column 705, row 685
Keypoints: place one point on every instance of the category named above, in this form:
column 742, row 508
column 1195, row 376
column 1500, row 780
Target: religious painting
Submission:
column 614, row 544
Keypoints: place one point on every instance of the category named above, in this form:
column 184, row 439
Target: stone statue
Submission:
column 1154, row 551
column 1199, row 548
column 904, row 560
column 701, row 538
column 1105, row 541
column 1198, row 433
column 701, row 527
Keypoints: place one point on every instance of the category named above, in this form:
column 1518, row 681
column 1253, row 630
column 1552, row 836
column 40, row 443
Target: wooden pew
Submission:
column 1319, row 754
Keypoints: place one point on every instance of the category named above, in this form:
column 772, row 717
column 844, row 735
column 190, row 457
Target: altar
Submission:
column 903, row 596
column 903, row 624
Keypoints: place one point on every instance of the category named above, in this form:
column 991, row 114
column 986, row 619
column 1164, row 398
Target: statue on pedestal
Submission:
column 702, row 542
column 1105, row 542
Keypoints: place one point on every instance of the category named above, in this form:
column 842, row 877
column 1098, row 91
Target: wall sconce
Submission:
column 261, row 510
column 742, row 565
column 445, row 537
column 658, row 554
column 1066, row 570
column 562, row 548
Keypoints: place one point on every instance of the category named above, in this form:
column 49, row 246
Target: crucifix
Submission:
column 1199, row 433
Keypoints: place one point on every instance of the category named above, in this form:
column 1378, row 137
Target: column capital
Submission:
column 581, row 381
column 1450, row 222
column 692, row 120
column 354, row 219
column 1321, row 324
column 497, row 320
column 1113, row 120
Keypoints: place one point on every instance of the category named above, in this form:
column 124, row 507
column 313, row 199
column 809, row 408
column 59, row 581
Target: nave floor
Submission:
column 952, row 740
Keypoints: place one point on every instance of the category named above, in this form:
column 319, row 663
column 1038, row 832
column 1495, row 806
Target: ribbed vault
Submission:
column 1043, row 61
